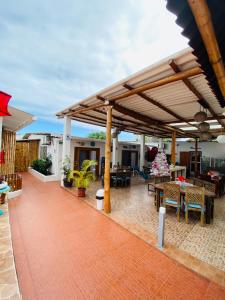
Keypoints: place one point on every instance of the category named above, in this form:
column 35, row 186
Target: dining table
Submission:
column 209, row 198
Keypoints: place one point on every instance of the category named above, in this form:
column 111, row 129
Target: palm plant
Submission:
column 85, row 176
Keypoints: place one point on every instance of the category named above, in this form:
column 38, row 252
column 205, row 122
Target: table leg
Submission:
column 208, row 210
column 212, row 208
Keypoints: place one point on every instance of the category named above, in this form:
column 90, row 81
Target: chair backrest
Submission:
column 165, row 178
column 195, row 195
column 210, row 186
column 171, row 191
column 198, row 182
column 159, row 179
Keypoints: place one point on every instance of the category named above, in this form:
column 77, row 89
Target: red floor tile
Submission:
column 64, row 249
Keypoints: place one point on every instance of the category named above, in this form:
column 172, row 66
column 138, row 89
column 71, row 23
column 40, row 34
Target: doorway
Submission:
column 82, row 153
column 129, row 158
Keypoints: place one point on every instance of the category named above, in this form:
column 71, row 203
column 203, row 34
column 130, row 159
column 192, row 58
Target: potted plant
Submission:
column 67, row 181
column 84, row 177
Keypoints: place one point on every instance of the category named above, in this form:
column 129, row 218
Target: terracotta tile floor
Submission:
column 134, row 209
column 64, row 249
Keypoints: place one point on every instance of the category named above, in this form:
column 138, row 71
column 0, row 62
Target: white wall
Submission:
column 86, row 144
column 211, row 149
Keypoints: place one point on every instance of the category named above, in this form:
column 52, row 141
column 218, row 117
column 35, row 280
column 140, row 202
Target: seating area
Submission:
column 119, row 177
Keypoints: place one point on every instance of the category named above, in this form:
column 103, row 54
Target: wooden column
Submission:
column 173, row 148
column 107, row 205
column 204, row 22
column 196, row 157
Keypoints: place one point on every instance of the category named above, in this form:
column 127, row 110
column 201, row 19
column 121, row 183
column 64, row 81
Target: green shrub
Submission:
column 42, row 165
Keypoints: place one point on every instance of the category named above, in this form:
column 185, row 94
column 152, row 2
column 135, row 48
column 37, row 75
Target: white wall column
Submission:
column 1, row 122
column 161, row 144
column 66, row 141
column 142, row 152
column 115, row 151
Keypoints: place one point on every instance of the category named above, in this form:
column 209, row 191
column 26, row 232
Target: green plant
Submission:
column 42, row 165
column 99, row 135
column 84, row 177
column 66, row 168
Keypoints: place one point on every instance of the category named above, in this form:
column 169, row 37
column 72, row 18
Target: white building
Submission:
column 127, row 153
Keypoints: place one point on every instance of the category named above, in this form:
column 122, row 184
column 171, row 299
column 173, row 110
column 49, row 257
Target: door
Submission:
column 82, row 153
column 129, row 158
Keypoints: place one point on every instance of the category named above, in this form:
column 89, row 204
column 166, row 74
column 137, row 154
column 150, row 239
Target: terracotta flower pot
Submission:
column 81, row 192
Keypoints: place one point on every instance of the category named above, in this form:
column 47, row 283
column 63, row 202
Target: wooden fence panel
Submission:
column 8, row 146
column 26, row 152
column 33, row 151
column 22, row 156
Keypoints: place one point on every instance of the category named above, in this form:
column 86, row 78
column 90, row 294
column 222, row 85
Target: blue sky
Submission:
column 55, row 53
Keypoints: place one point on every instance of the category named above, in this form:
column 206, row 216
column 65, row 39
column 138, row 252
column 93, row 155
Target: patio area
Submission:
column 64, row 249
column 133, row 208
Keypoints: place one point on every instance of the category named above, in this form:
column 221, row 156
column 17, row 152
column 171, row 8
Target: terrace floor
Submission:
column 65, row 249
column 134, row 209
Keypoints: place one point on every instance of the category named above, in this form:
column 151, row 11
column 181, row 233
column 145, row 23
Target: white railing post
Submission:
column 161, row 229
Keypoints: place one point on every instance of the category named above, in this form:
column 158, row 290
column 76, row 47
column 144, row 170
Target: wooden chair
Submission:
column 195, row 201
column 198, row 182
column 171, row 197
column 157, row 179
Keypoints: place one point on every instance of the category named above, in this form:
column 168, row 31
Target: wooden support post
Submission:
column 196, row 158
column 173, row 148
column 107, row 205
column 204, row 22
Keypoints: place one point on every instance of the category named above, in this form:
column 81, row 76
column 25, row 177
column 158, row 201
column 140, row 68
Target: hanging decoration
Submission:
column 4, row 100
column 205, row 136
column 204, row 127
column 200, row 116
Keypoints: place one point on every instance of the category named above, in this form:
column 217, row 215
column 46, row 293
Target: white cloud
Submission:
column 55, row 53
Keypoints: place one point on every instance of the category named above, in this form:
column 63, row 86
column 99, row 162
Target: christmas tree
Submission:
column 160, row 165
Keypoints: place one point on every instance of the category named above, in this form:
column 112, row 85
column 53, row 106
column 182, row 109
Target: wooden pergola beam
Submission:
column 172, row 78
column 146, row 119
column 130, row 128
column 159, row 105
column 204, row 23
column 201, row 99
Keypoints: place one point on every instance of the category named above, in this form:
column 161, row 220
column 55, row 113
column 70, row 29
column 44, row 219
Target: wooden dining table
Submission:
column 209, row 198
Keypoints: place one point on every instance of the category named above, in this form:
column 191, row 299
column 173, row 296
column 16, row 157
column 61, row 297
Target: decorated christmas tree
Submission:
column 160, row 165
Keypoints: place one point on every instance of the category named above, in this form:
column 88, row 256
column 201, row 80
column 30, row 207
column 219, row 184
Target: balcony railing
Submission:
column 14, row 181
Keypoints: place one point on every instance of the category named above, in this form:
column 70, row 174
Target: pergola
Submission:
column 160, row 101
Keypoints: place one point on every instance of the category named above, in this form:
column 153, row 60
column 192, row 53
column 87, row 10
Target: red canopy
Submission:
column 4, row 100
